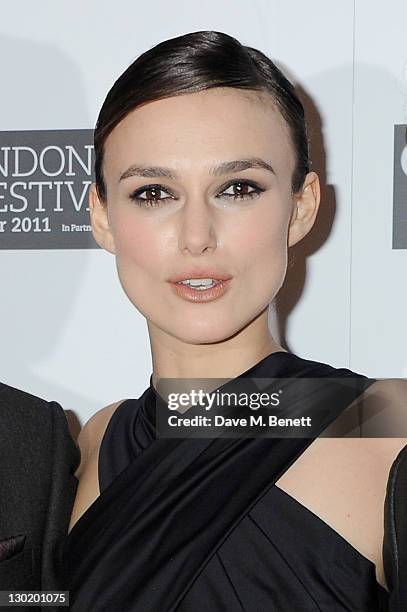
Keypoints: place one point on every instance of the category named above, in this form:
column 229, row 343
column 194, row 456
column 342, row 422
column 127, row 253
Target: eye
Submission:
column 242, row 193
column 152, row 192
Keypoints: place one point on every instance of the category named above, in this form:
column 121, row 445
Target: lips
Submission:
column 192, row 294
column 213, row 273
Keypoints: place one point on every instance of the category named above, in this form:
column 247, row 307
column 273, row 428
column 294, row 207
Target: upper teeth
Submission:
column 195, row 282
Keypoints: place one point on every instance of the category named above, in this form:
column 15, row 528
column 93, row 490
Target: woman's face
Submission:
column 195, row 219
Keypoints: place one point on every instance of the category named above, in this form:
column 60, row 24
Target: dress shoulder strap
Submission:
column 113, row 453
column 395, row 533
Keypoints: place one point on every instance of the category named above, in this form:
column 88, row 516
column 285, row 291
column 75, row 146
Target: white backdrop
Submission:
column 67, row 331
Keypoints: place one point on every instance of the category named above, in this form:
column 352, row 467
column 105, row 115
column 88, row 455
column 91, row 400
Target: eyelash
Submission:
column 135, row 196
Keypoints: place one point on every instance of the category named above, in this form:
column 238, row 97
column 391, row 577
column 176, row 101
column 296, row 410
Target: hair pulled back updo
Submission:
column 195, row 62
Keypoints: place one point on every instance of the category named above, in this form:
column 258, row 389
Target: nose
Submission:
column 197, row 231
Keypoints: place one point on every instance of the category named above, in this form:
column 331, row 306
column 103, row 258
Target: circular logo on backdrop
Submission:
column 403, row 160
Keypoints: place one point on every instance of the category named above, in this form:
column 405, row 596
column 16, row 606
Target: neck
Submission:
column 229, row 358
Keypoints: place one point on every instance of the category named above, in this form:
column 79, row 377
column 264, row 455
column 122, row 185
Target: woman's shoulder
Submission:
column 378, row 411
column 383, row 408
column 91, row 434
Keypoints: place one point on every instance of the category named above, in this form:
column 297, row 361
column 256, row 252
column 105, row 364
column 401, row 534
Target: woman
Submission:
column 202, row 172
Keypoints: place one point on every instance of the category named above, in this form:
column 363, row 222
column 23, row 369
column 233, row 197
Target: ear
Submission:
column 305, row 209
column 100, row 222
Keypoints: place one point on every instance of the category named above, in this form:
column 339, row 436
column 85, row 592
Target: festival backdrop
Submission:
column 68, row 332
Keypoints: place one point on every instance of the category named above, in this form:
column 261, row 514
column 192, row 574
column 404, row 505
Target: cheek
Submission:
column 263, row 248
column 139, row 260
column 135, row 242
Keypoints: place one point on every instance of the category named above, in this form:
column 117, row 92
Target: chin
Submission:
column 205, row 332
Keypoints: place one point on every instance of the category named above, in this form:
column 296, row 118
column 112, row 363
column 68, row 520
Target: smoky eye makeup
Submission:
column 239, row 189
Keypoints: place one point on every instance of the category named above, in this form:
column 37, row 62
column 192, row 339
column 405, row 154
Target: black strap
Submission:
column 395, row 533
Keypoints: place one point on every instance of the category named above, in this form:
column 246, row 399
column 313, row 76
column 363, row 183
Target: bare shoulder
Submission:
column 378, row 452
column 392, row 389
column 89, row 440
column 384, row 409
column 92, row 432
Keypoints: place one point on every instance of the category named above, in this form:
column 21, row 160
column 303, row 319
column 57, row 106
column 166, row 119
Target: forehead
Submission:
column 194, row 130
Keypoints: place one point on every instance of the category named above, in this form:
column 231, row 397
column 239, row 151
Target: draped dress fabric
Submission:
column 198, row 525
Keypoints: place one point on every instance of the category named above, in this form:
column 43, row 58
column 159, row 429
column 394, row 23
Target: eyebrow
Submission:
column 224, row 168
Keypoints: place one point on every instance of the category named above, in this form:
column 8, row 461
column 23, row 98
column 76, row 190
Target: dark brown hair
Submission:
column 195, row 62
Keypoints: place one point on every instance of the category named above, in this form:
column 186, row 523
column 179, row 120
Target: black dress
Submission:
column 198, row 525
